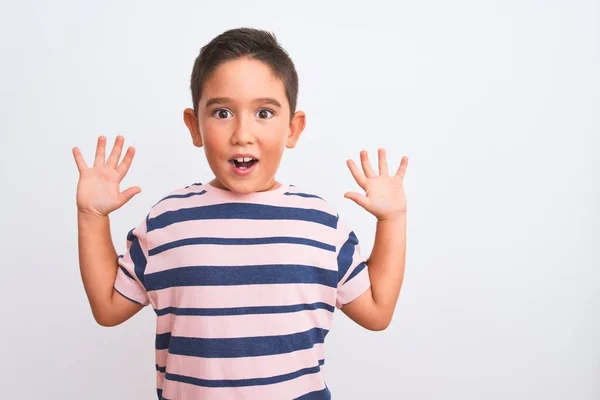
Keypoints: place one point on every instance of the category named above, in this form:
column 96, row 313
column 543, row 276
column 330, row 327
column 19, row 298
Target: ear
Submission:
column 189, row 117
column 296, row 127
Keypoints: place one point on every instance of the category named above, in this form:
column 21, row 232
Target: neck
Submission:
column 271, row 186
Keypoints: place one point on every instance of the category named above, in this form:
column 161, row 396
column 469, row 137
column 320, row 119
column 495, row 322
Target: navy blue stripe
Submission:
column 137, row 256
column 241, row 211
column 244, row 310
column 303, row 195
column 160, row 369
column 324, row 394
column 162, row 341
column 183, row 196
column 241, row 346
column 358, row 268
column 346, row 255
column 194, row 184
column 240, row 275
column 240, row 241
column 243, row 382
column 128, row 298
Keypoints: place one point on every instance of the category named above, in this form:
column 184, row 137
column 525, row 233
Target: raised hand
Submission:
column 98, row 187
column 385, row 197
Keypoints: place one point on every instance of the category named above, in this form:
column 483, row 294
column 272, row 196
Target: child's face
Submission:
column 243, row 110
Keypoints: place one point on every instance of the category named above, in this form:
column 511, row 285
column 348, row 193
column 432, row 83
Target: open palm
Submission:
column 98, row 187
column 384, row 194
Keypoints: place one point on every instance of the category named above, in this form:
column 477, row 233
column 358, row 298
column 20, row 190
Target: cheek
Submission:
column 278, row 137
column 275, row 146
column 213, row 137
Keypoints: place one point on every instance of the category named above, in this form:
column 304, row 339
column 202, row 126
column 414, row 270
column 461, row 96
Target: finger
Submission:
column 358, row 176
column 402, row 168
column 383, row 168
column 359, row 199
column 81, row 164
column 366, row 164
column 115, row 154
column 127, row 194
column 100, row 151
column 123, row 167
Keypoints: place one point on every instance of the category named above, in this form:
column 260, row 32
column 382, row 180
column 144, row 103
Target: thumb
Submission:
column 358, row 198
column 127, row 194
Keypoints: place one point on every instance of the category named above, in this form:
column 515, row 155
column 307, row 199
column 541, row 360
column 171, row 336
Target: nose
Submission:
column 242, row 133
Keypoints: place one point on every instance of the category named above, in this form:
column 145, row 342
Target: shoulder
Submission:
column 311, row 199
column 177, row 198
column 341, row 233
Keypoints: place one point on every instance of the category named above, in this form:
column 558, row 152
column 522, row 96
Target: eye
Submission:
column 262, row 113
column 221, row 113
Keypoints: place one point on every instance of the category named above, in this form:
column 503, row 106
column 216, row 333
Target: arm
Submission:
column 374, row 309
column 98, row 267
column 386, row 200
column 97, row 195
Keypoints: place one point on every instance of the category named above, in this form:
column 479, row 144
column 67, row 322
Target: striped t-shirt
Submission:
column 244, row 287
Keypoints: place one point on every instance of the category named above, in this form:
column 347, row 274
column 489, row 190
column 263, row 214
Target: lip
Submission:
column 244, row 155
column 242, row 172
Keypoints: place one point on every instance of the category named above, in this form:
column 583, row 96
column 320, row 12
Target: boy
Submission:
column 244, row 272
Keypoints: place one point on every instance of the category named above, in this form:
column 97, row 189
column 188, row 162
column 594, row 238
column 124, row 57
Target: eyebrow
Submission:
column 223, row 100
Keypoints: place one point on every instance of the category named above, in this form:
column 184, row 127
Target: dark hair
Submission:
column 245, row 42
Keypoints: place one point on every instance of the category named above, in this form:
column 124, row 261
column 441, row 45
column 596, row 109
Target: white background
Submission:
column 496, row 103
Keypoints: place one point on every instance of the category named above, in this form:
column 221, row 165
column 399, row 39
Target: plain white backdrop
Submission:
column 496, row 103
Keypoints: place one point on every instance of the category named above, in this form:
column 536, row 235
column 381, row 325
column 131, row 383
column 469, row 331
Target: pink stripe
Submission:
column 357, row 259
column 161, row 357
column 244, row 367
column 354, row 288
column 283, row 390
column 130, row 288
column 239, row 255
column 243, row 296
column 249, row 325
column 235, row 228
column 160, row 379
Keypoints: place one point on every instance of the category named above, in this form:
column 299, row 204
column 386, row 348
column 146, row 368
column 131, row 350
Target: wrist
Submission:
column 393, row 217
column 90, row 215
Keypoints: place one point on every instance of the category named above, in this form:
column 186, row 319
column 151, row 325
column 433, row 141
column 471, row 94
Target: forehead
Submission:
column 243, row 80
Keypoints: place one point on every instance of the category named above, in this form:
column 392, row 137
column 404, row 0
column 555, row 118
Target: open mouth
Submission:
column 243, row 162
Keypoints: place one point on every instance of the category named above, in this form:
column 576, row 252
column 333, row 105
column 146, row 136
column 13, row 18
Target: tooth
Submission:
column 247, row 159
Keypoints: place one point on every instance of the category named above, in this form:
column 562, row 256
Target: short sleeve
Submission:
column 129, row 281
column 353, row 273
